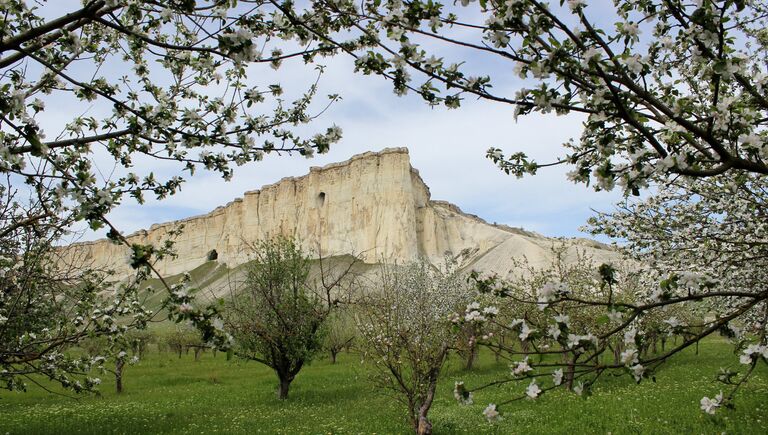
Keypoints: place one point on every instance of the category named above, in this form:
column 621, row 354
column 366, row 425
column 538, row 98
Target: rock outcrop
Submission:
column 374, row 205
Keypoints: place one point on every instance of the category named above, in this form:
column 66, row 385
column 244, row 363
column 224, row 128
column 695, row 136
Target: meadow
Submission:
column 167, row 394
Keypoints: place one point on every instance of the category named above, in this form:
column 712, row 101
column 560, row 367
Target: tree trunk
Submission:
column 570, row 372
column 282, row 392
column 472, row 353
column 617, row 353
column 119, row 375
column 423, row 425
column 497, row 351
column 197, row 353
column 333, row 356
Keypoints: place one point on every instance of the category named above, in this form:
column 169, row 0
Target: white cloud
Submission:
column 448, row 148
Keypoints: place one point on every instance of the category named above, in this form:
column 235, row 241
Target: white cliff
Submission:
column 374, row 205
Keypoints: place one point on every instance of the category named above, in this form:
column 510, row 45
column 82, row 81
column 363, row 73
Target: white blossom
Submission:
column 525, row 332
column 490, row 412
column 521, row 368
column 563, row 319
column 533, row 390
column 576, row 4
column 710, row 405
column 557, row 376
column 629, row 357
column 633, row 63
column 753, row 351
column 459, row 394
column 554, row 331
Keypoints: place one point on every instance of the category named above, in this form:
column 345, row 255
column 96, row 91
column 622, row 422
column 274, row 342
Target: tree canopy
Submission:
column 665, row 87
column 96, row 95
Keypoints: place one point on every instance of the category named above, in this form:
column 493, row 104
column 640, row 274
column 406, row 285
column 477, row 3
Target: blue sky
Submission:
column 446, row 146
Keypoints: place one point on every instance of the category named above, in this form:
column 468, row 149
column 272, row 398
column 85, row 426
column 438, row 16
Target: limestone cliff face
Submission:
column 374, row 205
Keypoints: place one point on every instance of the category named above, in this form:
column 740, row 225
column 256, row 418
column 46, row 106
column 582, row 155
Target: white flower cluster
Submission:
column 561, row 321
column 752, row 352
column 576, row 4
column 551, row 291
column 474, row 314
column 491, row 414
column 461, row 395
column 525, row 330
column 533, row 391
column 521, row 368
column 674, row 325
column 710, row 405
column 629, row 357
column 240, row 46
column 557, row 377
column 577, row 343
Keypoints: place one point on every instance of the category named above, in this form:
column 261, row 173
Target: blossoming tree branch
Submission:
column 663, row 86
column 138, row 83
column 669, row 92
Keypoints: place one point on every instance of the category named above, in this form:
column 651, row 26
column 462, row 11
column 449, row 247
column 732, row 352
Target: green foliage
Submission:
column 139, row 339
column 341, row 332
column 180, row 338
column 274, row 315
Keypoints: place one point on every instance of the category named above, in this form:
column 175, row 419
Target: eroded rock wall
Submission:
column 374, row 205
column 365, row 206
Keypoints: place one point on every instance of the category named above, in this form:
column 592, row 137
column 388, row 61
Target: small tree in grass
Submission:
column 277, row 313
column 341, row 333
column 121, row 359
column 110, row 354
column 183, row 338
column 139, row 339
column 405, row 324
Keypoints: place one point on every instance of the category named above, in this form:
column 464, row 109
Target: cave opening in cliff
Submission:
column 213, row 255
column 321, row 199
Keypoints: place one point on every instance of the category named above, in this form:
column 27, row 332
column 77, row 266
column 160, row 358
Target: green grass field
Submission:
column 165, row 394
